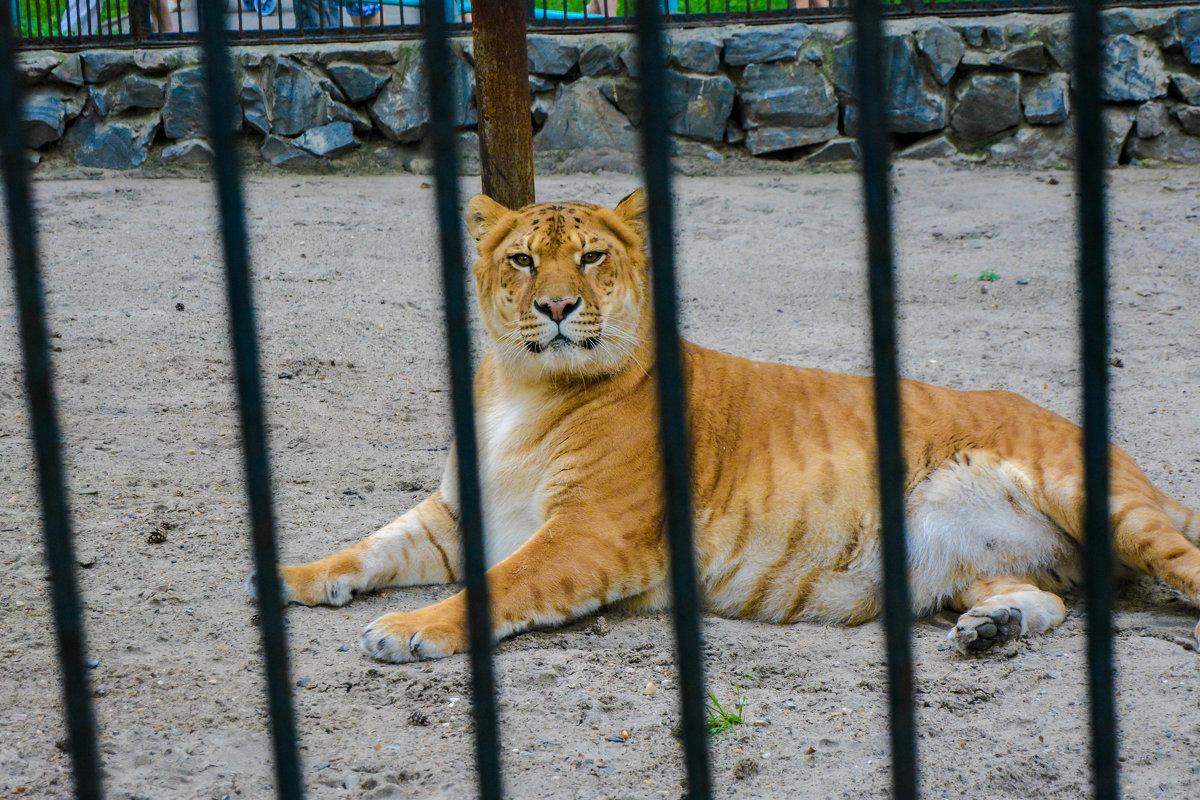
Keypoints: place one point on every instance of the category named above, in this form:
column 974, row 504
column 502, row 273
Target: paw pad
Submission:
column 980, row 630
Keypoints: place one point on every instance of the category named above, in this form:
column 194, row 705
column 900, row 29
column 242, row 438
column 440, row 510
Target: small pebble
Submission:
column 616, row 739
column 92, row 663
column 649, row 690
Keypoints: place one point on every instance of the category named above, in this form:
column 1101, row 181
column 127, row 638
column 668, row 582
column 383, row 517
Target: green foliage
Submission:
column 721, row 720
column 40, row 18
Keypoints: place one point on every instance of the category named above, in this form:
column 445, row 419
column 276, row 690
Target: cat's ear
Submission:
column 483, row 214
column 632, row 212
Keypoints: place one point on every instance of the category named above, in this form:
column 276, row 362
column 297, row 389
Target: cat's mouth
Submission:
column 561, row 342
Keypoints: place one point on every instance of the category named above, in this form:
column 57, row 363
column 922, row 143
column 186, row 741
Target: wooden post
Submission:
column 502, row 92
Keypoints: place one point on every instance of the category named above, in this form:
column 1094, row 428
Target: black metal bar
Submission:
column 874, row 140
column 470, row 520
column 1093, row 284
column 222, row 103
column 672, row 399
column 39, row 389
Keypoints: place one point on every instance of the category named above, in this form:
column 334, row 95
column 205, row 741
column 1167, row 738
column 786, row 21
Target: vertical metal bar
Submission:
column 445, row 159
column 1093, row 267
column 672, row 398
column 873, row 140
column 221, row 104
column 39, row 389
column 502, row 80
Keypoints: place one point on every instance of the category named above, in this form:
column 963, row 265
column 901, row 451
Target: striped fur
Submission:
column 784, row 481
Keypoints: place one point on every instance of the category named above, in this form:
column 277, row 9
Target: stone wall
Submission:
column 993, row 89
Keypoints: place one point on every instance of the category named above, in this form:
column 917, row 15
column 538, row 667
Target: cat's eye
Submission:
column 591, row 257
column 522, row 260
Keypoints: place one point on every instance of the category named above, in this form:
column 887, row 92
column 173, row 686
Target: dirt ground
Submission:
column 349, row 313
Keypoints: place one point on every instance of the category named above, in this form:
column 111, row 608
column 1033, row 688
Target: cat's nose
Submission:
column 558, row 308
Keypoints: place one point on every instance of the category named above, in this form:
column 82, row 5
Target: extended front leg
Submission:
column 569, row 568
column 420, row 547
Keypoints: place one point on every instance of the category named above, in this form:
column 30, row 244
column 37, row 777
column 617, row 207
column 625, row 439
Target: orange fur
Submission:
column 783, row 460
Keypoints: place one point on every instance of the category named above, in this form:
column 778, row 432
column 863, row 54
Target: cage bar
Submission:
column 874, row 142
column 470, row 521
column 672, row 399
column 244, row 338
column 1093, row 286
column 39, row 390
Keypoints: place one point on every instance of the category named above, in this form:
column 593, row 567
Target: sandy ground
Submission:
column 349, row 307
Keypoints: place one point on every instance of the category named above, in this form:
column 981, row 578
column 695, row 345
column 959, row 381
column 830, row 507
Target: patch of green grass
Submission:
column 40, row 18
column 721, row 720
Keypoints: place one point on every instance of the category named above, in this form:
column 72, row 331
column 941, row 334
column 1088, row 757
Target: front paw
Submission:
column 981, row 629
column 308, row 585
column 413, row 636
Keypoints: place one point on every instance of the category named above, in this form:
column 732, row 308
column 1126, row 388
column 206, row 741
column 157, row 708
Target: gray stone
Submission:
column 185, row 105
column 33, row 67
column 1025, row 58
column 786, row 94
column 786, row 105
column 934, row 147
column 1045, row 101
column 358, row 82
column 943, row 49
column 1189, row 34
column 1058, row 41
column 629, row 57
column 138, row 91
column 694, row 55
column 763, row 45
column 698, row 106
column 1116, row 21
column 539, row 84
column 1118, row 124
column 1133, row 70
column 70, row 71
column 157, row 62
column 583, row 118
column 1187, row 88
column 979, row 35
column 117, row 143
column 329, row 141
column 843, row 70
column 1151, row 119
column 188, row 152
column 254, row 105
column 401, row 111
column 549, row 56
column 916, row 104
column 369, row 53
column 99, row 100
column 1016, row 32
column 914, row 107
column 624, row 95
column 44, row 117
column 598, row 58
column 280, row 152
column 465, row 114
column 835, row 151
column 986, row 105
column 297, row 101
column 104, row 65
column 1173, row 145
column 1048, row 146
column 1189, row 119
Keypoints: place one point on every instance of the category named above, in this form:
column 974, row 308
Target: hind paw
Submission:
column 980, row 629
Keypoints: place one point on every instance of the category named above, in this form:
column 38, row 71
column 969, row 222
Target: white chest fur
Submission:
column 513, row 470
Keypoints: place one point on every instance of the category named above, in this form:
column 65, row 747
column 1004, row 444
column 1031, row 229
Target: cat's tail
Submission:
column 1184, row 518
